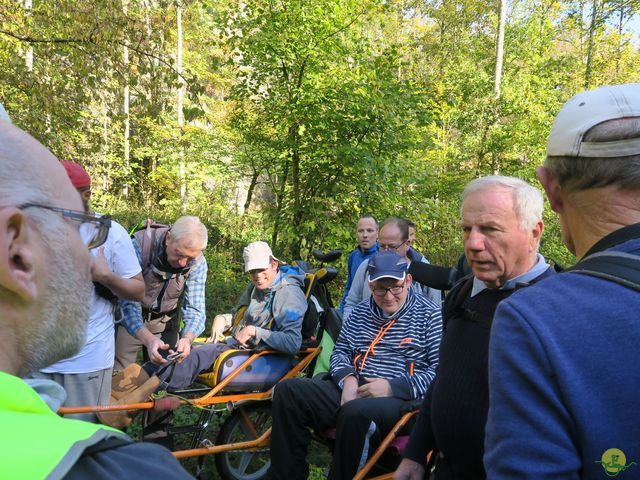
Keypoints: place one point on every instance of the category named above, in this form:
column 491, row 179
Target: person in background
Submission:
column 115, row 271
column 394, row 236
column 367, row 236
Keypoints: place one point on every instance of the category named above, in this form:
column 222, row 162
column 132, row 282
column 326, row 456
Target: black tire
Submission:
column 244, row 465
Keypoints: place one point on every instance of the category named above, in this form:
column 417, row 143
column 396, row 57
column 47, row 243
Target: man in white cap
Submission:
column 269, row 313
column 563, row 357
column 386, row 354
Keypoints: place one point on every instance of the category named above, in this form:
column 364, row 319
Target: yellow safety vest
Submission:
column 36, row 443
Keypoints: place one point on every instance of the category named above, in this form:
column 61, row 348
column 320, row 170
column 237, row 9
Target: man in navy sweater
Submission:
column 386, row 354
column 501, row 230
column 564, row 354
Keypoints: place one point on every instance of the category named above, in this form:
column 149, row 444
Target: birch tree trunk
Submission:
column 125, row 61
column 183, row 181
column 500, row 48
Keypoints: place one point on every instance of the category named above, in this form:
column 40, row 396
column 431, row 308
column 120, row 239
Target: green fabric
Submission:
column 322, row 363
column 34, row 440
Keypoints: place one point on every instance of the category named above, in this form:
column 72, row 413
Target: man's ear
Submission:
column 408, row 280
column 17, row 255
column 551, row 188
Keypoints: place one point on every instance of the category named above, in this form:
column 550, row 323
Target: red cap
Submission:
column 78, row 175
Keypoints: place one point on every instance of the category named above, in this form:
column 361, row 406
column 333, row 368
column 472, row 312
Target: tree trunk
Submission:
column 28, row 57
column 252, row 186
column 297, row 194
column 105, row 145
column 125, row 61
column 183, row 181
column 590, row 44
column 500, row 48
column 280, row 201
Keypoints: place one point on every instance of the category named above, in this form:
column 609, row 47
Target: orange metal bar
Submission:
column 260, row 442
column 386, row 476
column 385, row 443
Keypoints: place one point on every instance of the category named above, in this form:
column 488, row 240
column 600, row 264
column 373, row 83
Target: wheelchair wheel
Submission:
column 245, row 423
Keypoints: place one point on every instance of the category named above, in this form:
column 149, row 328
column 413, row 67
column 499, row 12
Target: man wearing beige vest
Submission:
column 175, row 272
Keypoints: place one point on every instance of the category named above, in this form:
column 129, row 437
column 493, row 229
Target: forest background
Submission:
column 284, row 120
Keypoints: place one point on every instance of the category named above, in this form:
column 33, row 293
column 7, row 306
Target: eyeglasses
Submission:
column 384, row 247
column 382, row 292
column 101, row 223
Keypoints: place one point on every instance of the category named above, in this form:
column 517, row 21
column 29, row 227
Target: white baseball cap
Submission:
column 588, row 109
column 257, row 256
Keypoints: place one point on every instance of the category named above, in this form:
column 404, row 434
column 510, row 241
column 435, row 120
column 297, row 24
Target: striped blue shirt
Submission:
column 193, row 305
column 407, row 354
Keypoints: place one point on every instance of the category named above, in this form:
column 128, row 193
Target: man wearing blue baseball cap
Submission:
column 386, row 354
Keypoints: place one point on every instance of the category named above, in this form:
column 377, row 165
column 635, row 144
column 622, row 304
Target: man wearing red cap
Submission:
column 116, row 273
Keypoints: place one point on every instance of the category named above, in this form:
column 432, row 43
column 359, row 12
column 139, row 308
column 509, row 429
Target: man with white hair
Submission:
column 45, row 293
column 175, row 272
column 501, row 230
column 564, row 355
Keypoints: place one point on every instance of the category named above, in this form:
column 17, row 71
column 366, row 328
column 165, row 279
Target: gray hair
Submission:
column 527, row 199
column 192, row 228
column 582, row 173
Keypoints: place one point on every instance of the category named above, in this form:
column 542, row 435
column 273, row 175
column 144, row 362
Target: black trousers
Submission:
column 300, row 404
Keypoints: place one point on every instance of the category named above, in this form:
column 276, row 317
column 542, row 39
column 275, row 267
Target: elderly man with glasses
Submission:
column 394, row 236
column 115, row 271
column 386, row 354
column 175, row 273
column 45, row 294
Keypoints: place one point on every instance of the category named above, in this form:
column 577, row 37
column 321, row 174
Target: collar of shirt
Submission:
column 538, row 269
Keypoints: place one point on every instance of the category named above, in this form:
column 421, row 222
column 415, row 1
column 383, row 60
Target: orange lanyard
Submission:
column 372, row 346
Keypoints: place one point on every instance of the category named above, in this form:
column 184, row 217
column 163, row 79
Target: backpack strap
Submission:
column 619, row 267
column 456, row 297
column 151, row 230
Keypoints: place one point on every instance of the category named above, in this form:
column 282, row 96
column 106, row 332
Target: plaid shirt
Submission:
column 193, row 305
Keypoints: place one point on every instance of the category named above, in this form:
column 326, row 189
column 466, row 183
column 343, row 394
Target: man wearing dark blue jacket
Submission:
column 367, row 235
column 385, row 355
column 564, row 354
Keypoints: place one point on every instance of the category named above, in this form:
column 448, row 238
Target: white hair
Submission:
column 192, row 228
column 527, row 200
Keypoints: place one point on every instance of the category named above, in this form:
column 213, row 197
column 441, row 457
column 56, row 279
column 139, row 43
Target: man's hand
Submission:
column 154, row 345
column 217, row 327
column 184, row 347
column 349, row 389
column 246, row 334
column 100, row 271
column 375, row 387
column 409, row 470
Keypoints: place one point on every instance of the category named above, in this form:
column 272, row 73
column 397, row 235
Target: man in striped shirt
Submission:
column 386, row 354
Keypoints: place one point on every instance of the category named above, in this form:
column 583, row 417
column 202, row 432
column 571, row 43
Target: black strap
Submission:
column 622, row 268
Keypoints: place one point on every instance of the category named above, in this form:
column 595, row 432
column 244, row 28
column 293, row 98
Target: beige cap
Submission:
column 257, row 256
column 588, row 109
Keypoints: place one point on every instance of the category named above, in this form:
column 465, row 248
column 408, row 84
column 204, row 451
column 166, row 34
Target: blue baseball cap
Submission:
column 387, row 264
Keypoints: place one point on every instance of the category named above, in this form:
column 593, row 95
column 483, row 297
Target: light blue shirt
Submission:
column 538, row 269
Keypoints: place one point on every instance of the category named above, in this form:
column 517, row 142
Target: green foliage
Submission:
column 301, row 116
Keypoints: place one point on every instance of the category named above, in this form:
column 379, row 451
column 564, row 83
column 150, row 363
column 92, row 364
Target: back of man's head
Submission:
column 595, row 140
